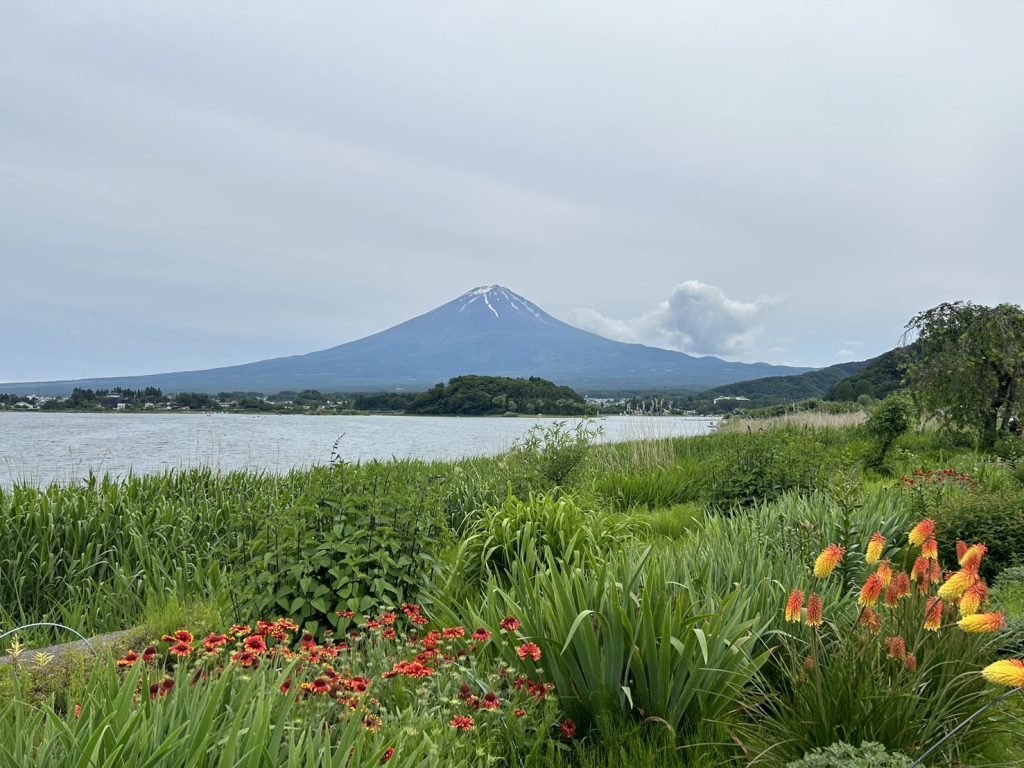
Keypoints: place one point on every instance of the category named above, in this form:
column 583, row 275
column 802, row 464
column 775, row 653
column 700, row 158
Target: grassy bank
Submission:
column 564, row 604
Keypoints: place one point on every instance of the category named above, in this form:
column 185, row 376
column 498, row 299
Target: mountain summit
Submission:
column 489, row 330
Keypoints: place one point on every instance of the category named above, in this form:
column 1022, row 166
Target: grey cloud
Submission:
column 697, row 318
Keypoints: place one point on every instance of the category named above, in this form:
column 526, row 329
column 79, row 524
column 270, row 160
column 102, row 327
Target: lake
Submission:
column 40, row 448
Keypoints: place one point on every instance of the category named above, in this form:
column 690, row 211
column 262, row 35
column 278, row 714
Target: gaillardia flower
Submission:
column 983, row 622
column 828, row 560
column 875, row 547
column 922, row 532
column 1008, row 672
column 794, row 605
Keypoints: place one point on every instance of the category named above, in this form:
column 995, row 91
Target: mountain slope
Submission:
column 488, row 331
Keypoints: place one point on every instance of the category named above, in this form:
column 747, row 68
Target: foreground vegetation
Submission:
column 764, row 596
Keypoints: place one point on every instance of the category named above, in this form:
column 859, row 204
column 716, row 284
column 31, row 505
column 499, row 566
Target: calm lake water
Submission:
column 40, row 448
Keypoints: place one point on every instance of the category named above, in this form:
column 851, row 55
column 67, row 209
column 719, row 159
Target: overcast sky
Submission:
column 192, row 184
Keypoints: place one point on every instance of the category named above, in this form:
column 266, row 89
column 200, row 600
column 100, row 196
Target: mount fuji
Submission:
column 487, row 331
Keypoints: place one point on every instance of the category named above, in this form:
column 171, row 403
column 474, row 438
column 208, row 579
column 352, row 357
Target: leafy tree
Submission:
column 969, row 363
column 886, row 422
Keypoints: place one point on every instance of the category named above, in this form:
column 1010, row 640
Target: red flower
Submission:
column 463, row 723
column 481, row 635
column 181, row 636
column 387, row 619
column 388, row 754
column 451, row 633
column 78, row 711
column 510, row 624
column 814, row 610
column 568, row 729
column 256, row 644
column 246, row 659
column 149, row 654
column 490, row 701
column 345, row 614
column 520, row 713
column 181, row 649
column 240, row 629
column 215, row 641
column 129, row 659
column 529, row 650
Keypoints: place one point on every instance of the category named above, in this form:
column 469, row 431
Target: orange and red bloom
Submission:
column 933, row 615
column 814, row 610
column 510, row 624
column 794, row 605
column 529, row 651
column 463, row 723
column 922, row 532
column 871, row 591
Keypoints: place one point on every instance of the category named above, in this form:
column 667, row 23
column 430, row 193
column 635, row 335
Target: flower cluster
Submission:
column 934, row 477
column 361, row 674
column 961, row 592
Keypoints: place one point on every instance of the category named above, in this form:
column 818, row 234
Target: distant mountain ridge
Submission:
column 489, row 330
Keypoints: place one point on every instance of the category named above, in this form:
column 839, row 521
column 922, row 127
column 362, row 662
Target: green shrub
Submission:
column 763, row 466
column 869, row 754
column 675, row 521
column 623, row 638
column 549, row 455
column 995, row 519
column 519, row 531
column 886, row 422
column 1007, row 595
column 651, row 488
column 358, row 541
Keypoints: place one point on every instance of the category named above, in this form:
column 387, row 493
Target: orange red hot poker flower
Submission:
column 828, row 560
column 794, row 605
column 922, row 532
column 871, row 591
column 814, row 610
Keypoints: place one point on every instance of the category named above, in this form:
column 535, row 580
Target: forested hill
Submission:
column 495, row 395
column 783, row 389
column 876, row 377
column 881, row 376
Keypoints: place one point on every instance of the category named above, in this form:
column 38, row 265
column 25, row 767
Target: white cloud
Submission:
column 696, row 317
column 845, row 354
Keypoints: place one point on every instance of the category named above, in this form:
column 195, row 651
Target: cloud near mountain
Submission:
column 697, row 318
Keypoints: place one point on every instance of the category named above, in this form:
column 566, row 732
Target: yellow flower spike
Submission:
column 875, row 548
column 1008, row 672
column 828, row 560
column 956, row 585
column 982, row 622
